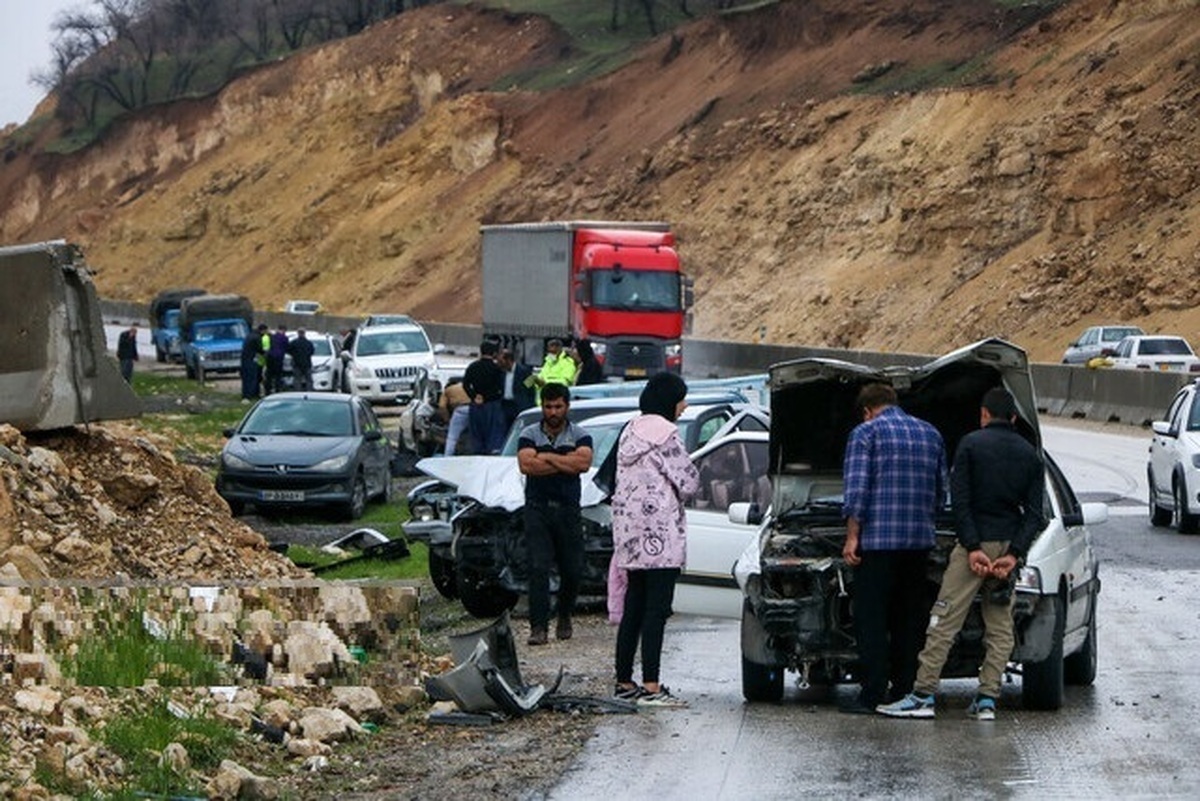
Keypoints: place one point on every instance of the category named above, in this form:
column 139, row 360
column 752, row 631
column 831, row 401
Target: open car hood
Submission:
column 494, row 480
column 813, row 409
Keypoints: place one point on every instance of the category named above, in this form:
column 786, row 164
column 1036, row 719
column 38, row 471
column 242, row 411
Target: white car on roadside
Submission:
column 1173, row 470
column 1164, row 353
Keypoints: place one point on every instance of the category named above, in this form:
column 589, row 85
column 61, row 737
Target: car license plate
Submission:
column 388, row 387
column 281, row 495
column 635, row 371
column 1167, row 366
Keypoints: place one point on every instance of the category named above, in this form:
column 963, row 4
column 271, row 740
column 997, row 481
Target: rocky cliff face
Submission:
column 1057, row 190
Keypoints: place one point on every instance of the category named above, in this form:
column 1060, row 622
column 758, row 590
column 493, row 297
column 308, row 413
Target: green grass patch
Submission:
column 413, row 567
column 939, row 75
column 127, row 655
column 139, row 739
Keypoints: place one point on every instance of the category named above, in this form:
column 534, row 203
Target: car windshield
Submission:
column 1117, row 334
column 391, row 342
column 1164, row 346
column 300, row 417
column 217, row 331
column 632, row 290
column 321, row 346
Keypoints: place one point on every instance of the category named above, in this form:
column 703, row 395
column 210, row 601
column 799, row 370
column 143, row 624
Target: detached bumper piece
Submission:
column 488, row 676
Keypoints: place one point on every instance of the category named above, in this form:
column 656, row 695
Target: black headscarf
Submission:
column 662, row 394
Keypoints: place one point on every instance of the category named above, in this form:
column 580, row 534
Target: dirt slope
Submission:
column 1060, row 192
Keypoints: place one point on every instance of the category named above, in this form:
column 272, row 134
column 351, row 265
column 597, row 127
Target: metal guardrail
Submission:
column 1135, row 397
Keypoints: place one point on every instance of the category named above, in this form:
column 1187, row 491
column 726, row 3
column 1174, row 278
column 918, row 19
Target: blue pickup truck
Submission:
column 164, row 322
column 212, row 329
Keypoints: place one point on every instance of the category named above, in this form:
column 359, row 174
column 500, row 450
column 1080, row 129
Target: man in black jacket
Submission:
column 127, row 352
column 484, row 382
column 997, row 486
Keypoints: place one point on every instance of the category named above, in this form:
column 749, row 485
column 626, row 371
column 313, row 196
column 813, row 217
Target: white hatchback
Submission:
column 1165, row 353
column 1173, row 470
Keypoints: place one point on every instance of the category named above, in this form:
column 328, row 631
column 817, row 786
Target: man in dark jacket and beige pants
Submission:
column 997, row 490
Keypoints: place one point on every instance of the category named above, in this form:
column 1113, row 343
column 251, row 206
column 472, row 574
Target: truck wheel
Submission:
column 761, row 682
column 159, row 354
column 1079, row 669
column 1042, row 682
column 480, row 597
column 441, row 571
column 189, row 370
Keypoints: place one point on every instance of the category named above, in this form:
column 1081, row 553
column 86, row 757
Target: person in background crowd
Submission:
column 895, row 482
column 301, row 350
column 484, row 382
column 518, row 387
column 996, row 490
column 127, row 352
column 654, row 476
column 590, row 369
column 553, row 453
column 276, row 350
column 454, row 407
column 253, row 356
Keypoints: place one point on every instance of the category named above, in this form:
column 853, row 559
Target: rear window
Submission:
column 1164, row 347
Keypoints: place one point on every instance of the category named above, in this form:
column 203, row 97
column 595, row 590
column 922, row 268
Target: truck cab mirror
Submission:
column 745, row 513
column 689, row 292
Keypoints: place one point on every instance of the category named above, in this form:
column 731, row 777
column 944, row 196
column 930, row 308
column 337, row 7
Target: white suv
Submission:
column 1174, row 467
column 385, row 362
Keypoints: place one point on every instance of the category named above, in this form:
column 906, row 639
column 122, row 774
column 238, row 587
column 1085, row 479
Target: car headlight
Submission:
column 235, row 462
column 332, row 465
column 362, row 371
column 674, row 350
column 423, row 512
column 1029, row 579
column 599, row 349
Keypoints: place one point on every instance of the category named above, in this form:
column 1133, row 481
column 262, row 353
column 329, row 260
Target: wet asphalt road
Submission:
column 1130, row 735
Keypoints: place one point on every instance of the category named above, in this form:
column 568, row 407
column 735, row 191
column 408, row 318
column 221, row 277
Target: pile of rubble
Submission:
column 108, row 503
column 101, row 527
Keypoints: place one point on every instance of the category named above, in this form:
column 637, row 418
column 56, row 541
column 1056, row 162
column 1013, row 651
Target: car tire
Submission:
column 441, row 572
column 761, row 683
column 1042, row 682
column 1185, row 521
column 480, row 597
column 1079, row 669
column 354, row 508
column 1159, row 517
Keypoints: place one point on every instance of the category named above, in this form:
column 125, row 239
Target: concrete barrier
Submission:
column 1135, row 397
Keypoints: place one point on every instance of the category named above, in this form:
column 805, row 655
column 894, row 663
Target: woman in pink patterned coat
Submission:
column 654, row 476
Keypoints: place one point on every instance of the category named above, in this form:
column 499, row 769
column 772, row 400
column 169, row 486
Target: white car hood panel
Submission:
column 494, row 480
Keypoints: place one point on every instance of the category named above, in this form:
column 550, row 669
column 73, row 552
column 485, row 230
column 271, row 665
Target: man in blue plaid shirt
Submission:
column 895, row 482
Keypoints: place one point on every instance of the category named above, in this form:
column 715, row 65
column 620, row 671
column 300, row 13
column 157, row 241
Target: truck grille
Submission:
column 648, row 355
column 397, row 372
column 223, row 356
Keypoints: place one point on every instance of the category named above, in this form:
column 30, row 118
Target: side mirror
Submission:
column 439, row 348
column 1089, row 514
column 227, row 433
column 745, row 513
column 373, row 436
column 1162, row 427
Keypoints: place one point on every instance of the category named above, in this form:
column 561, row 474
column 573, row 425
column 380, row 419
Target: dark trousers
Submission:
column 274, row 375
column 486, row 424
column 552, row 538
column 648, row 599
column 251, row 379
column 891, row 610
column 127, row 370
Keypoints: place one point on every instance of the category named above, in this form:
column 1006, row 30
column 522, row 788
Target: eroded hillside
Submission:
column 1059, row 190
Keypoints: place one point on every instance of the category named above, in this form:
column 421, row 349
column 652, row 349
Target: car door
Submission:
column 738, row 465
column 1073, row 557
column 376, row 453
column 1164, row 448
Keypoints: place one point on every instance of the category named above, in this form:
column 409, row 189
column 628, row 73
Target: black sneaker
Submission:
column 538, row 637
column 563, row 630
column 628, row 692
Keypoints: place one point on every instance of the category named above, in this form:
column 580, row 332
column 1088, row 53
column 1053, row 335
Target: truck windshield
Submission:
column 209, row 332
column 170, row 318
column 635, row 290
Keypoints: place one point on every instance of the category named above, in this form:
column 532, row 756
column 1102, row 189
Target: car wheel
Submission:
column 1185, row 521
column 353, row 509
column 480, row 597
column 441, row 570
column 1079, row 668
column 761, row 682
column 1158, row 516
column 1042, row 682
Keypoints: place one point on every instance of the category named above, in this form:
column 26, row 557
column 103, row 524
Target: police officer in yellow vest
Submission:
column 560, row 367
